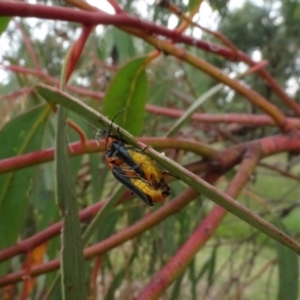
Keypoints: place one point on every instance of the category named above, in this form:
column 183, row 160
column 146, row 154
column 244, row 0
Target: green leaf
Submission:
column 117, row 45
column 193, row 4
column 72, row 267
column 288, row 267
column 209, row 267
column 159, row 91
column 3, row 23
column 101, row 219
column 192, row 277
column 120, row 276
column 193, row 107
column 177, row 288
column 21, row 135
column 124, row 44
column 168, row 239
column 212, row 265
column 117, row 280
column 42, row 197
column 218, row 5
column 97, row 182
column 128, row 90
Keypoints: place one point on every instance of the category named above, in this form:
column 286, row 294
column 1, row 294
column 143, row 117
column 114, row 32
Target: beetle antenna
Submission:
column 113, row 120
column 110, row 127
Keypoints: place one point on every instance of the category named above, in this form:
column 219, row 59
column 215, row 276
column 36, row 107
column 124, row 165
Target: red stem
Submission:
column 246, row 119
column 76, row 50
column 269, row 146
column 28, row 46
column 77, row 148
column 54, row 81
column 16, row 94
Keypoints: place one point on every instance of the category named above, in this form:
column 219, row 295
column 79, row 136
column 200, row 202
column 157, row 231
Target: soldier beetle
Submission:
column 133, row 168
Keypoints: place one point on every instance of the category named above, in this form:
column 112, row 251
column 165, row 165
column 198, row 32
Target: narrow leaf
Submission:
column 123, row 43
column 288, row 270
column 193, row 4
column 72, row 268
column 177, row 288
column 3, row 23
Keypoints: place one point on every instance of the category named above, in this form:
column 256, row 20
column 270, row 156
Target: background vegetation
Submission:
column 220, row 98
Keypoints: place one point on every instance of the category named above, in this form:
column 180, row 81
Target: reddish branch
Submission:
column 42, row 156
column 29, row 47
column 280, row 171
column 76, row 50
column 246, row 119
column 47, row 78
column 16, row 94
column 77, row 148
column 269, row 146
